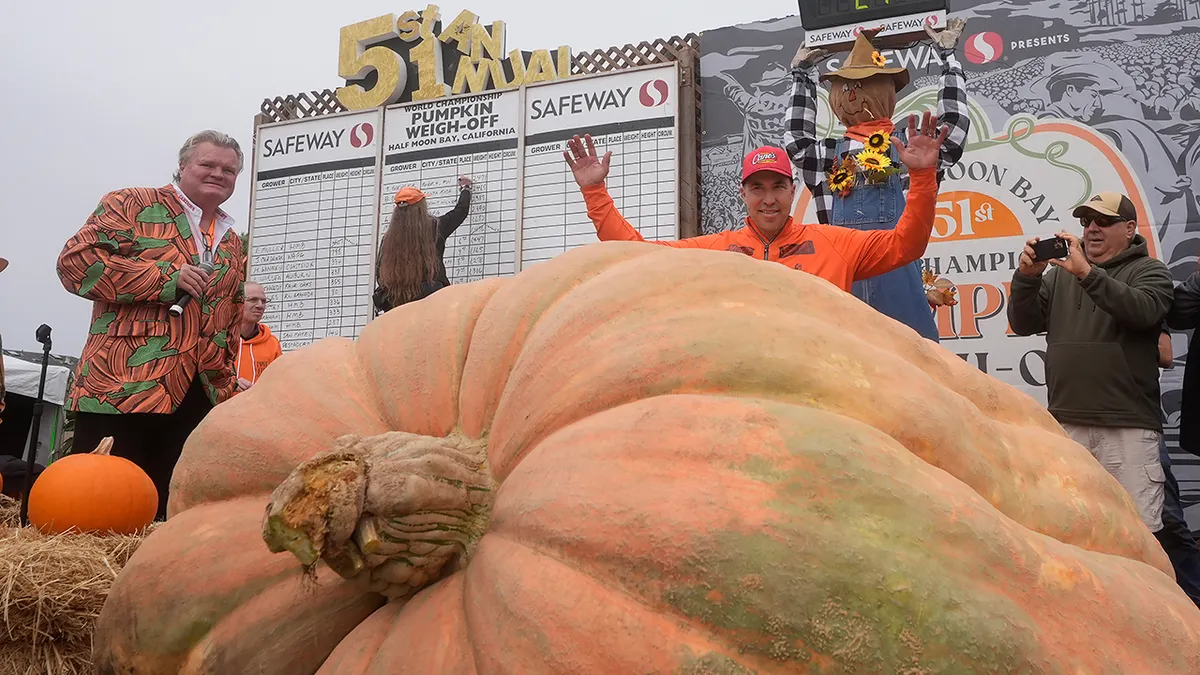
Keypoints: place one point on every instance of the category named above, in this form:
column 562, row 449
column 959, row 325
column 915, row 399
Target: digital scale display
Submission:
column 834, row 22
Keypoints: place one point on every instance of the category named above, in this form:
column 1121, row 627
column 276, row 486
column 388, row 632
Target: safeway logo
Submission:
column 362, row 134
column 654, row 93
column 984, row 48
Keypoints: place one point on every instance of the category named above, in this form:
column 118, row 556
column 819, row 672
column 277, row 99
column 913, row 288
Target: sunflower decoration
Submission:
column 872, row 162
column 878, row 142
column 841, row 176
column 876, row 166
column 878, row 59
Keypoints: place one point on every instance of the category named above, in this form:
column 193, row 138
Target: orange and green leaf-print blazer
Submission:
column 138, row 358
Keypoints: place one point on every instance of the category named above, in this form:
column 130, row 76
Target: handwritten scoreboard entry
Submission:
column 313, row 224
column 632, row 113
column 323, row 188
column 430, row 144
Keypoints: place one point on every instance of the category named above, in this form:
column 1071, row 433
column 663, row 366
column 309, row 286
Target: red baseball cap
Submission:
column 766, row 158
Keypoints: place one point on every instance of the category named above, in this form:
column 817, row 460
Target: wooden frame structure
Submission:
column 683, row 50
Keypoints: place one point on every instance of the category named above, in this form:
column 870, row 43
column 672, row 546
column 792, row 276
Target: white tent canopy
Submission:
column 21, row 377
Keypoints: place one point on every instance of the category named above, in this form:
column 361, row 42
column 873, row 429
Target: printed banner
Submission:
column 1065, row 101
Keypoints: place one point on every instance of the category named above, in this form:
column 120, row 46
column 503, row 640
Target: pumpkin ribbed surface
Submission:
column 577, row 471
column 93, row 492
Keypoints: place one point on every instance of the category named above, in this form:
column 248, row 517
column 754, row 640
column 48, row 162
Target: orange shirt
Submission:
column 837, row 254
column 256, row 354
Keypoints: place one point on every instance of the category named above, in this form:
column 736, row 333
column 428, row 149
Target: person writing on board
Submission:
column 146, row 377
column 410, row 265
column 839, row 255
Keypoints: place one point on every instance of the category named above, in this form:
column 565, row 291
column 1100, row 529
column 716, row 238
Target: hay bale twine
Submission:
column 51, row 591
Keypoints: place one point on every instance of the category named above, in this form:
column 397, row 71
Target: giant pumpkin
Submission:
column 632, row 459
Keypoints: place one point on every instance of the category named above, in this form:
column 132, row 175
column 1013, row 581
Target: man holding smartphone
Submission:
column 1102, row 308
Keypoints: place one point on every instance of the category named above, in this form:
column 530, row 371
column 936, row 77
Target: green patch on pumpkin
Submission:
column 853, row 569
column 196, row 618
column 711, row 663
column 761, row 469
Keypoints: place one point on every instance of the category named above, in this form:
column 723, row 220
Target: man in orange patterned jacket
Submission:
column 147, row 378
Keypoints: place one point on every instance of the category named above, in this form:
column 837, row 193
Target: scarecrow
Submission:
column 857, row 180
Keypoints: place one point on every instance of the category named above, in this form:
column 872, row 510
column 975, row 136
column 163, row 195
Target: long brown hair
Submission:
column 408, row 253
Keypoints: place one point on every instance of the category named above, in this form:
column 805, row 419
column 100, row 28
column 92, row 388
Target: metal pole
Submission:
column 43, row 336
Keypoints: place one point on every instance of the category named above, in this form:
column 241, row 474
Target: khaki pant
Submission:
column 1131, row 456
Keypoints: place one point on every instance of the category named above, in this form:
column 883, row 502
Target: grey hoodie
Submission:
column 1101, row 337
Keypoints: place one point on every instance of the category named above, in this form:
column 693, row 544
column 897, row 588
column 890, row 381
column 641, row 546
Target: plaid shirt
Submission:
column 814, row 157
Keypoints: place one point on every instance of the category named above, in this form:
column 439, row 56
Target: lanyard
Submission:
column 206, row 239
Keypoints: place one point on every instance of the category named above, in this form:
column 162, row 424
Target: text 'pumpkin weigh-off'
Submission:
column 575, row 471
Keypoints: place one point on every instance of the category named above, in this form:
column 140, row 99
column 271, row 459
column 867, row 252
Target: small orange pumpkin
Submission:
column 94, row 492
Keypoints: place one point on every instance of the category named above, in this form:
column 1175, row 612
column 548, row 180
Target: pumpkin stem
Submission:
column 408, row 509
column 104, row 447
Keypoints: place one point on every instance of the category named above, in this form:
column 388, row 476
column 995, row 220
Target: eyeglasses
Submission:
column 1102, row 221
column 258, row 301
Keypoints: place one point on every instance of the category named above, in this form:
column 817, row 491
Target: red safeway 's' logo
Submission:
column 654, row 93
column 362, row 134
column 984, row 48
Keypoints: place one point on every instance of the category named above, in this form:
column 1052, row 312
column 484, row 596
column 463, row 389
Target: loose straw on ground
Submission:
column 51, row 591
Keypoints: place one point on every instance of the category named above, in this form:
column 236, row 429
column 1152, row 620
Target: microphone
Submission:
column 177, row 308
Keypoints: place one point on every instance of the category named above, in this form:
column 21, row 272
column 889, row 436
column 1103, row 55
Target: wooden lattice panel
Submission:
column 299, row 106
column 325, row 102
column 633, row 56
column 684, row 50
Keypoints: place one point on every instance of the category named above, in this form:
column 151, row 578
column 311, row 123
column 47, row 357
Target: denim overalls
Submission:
column 900, row 293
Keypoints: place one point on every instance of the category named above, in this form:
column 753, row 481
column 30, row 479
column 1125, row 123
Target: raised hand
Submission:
column 585, row 165
column 923, row 148
column 947, row 38
column 807, row 58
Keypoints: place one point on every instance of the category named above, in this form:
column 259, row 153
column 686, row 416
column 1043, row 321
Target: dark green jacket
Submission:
column 1101, row 337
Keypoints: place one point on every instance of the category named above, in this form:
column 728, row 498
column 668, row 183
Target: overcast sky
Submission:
column 99, row 95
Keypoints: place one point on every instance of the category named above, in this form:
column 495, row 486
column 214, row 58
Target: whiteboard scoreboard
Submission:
column 313, row 224
column 323, row 188
column 429, row 145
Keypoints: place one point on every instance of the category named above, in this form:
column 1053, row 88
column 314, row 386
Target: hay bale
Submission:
column 51, row 591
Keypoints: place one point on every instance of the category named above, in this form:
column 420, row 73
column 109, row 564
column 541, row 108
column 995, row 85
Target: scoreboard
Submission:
column 322, row 188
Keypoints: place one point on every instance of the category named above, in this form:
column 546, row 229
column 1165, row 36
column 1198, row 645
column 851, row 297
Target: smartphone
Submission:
column 1046, row 249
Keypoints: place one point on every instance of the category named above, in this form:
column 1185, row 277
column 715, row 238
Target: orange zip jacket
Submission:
column 837, row 254
column 257, row 353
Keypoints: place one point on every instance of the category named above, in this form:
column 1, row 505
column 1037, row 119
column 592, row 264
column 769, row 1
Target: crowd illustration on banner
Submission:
column 996, row 203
